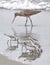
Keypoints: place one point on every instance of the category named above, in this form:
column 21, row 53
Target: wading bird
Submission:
column 26, row 13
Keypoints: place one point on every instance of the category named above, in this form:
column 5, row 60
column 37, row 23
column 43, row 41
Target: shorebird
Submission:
column 26, row 13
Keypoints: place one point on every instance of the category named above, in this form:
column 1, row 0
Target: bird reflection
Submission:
column 12, row 38
column 31, row 44
column 11, row 48
column 30, row 48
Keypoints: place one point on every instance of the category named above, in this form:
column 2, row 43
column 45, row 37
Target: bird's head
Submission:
column 16, row 14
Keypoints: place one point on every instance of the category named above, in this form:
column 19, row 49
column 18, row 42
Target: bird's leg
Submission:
column 13, row 19
column 31, row 21
column 26, row 20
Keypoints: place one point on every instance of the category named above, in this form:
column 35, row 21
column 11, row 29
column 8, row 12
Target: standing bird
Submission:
column 26, row 13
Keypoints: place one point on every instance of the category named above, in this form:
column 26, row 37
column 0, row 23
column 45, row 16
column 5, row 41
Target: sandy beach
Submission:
column 5, row 61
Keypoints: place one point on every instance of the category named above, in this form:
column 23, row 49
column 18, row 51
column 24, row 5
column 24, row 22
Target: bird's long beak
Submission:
column 13, row 20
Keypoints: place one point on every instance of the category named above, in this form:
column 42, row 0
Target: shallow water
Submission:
column 40, row 32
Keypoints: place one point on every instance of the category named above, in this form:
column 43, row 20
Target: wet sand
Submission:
column 42, row 19
column 5, row 61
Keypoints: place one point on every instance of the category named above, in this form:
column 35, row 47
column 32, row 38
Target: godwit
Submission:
column 26, row 13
